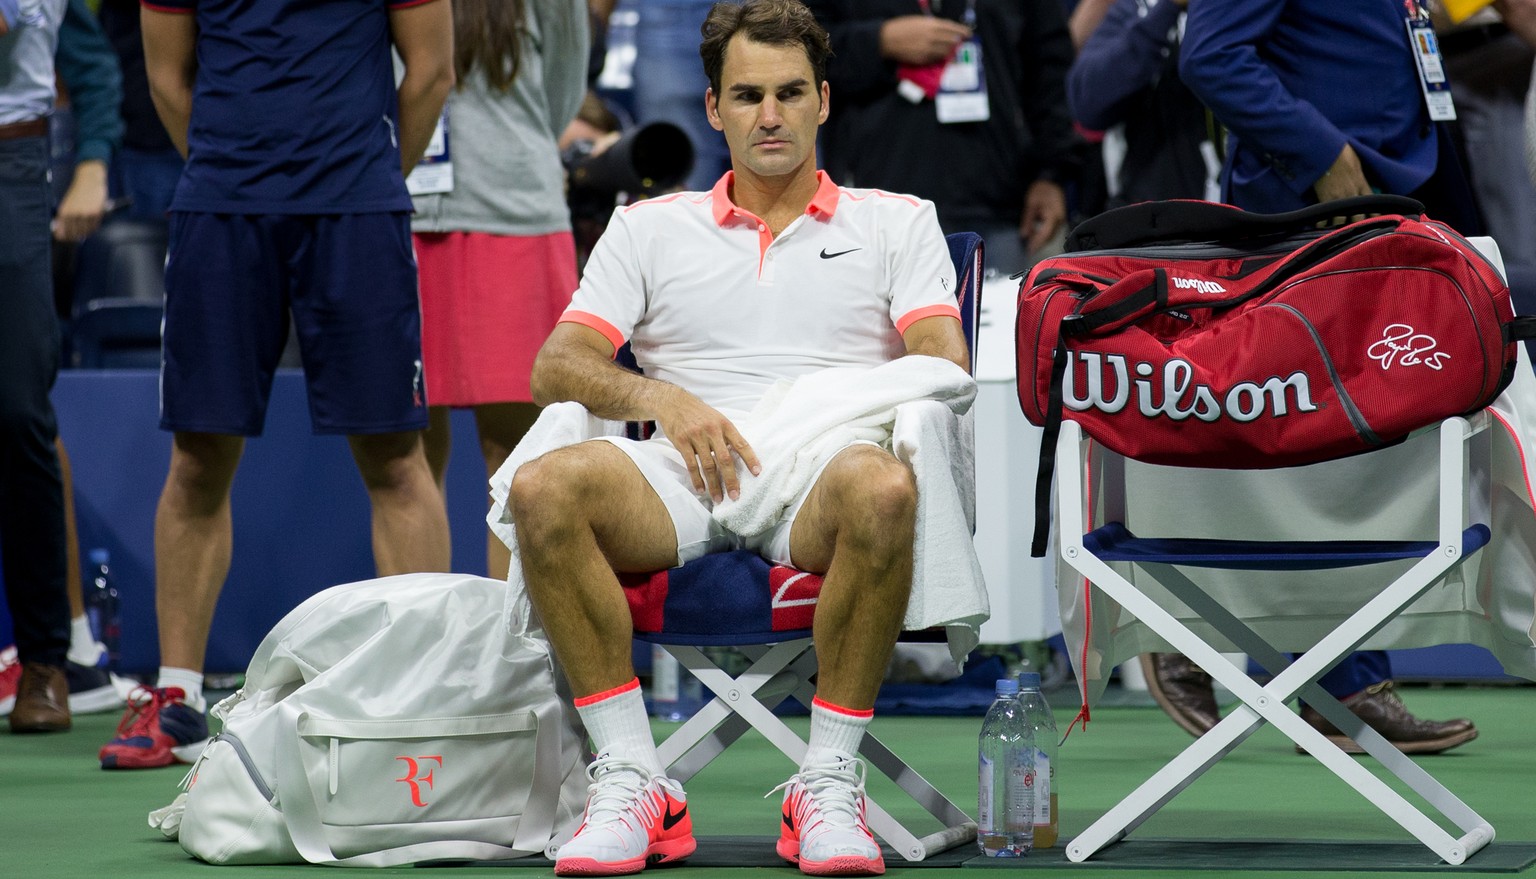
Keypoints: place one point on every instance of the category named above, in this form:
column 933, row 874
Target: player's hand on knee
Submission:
column 709, row 444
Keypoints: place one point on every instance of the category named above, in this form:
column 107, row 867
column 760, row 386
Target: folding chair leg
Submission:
column 1288, row 681
column 747, row 702
column 722, row 721
column 1167, row 783
column 1269, row 703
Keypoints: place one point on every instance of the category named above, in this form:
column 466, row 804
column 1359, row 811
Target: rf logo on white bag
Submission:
column 416, row 780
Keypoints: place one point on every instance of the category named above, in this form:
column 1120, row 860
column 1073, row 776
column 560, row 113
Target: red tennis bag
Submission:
column 1197, row 335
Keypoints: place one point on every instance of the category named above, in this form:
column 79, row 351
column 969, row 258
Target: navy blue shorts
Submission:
column 349, row 281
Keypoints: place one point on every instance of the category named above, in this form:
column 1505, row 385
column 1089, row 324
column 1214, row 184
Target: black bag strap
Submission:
column 1520, row 329
column 1049, row 431
column 1178, row 221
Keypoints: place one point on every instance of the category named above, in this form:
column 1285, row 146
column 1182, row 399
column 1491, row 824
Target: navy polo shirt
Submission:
column 293, row 108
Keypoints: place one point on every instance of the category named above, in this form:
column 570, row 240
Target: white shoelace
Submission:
column 835, row 787
column 617, row 785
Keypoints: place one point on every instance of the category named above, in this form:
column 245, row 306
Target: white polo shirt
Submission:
column 710, row 301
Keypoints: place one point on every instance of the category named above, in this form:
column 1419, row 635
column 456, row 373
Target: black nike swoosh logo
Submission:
column 825, row 255
column 671, row 818
column 788, row 823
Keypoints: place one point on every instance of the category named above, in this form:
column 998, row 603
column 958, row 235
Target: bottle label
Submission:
column 984, row 800
column 1022, row 794
column 1042, row 788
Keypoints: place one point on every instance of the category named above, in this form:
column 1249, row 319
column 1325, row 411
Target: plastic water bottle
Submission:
column 676, row 694
column 1006, row 794
column 101, row 606
column 1043, row 724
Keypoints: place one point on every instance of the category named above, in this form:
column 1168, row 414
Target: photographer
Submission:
column 606, row 166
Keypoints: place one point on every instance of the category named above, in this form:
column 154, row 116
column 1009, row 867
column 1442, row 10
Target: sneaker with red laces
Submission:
column 823, row 828
column 633, row 819
column 10, row 680
column 158, row 729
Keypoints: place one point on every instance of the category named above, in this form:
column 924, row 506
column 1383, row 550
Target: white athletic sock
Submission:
column 191, row 682
column 835, row 731
column 617, row 722
column 83, row 647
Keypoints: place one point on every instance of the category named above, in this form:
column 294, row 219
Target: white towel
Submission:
column 919, row 405
column 947, row 585
column 559, row 425
column 800, row 424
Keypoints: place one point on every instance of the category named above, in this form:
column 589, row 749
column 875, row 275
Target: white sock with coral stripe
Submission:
column 617, row 722
column 835, row 731
column 189, row 681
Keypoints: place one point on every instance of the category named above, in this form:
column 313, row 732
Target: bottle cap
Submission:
column 1007, row 686
column 100, row 556
column 1029, row 680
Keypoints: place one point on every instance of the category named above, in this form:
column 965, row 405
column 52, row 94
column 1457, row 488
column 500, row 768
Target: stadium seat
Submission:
column 119, row 296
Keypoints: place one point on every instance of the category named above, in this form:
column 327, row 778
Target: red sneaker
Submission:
column 823, row 828
column 158, row 729
column 633, row 819
column 10, row 679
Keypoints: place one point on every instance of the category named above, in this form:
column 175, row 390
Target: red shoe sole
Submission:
column 658, row 853
column 847, row 865
column 135, row 758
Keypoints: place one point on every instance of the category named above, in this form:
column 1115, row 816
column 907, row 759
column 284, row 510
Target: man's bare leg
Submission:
column 410, row 522
column 193, row 542
column 437, row 439
column 857, row 527
column 581, row 513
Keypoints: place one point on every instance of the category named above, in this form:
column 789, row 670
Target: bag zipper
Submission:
column 1356, row 418
column 250, row 765
column 1303, row 259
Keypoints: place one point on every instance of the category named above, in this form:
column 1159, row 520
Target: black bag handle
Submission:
column 1181, row 220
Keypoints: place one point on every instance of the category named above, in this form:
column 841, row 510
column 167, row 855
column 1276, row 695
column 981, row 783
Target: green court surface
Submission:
column 1248, row 816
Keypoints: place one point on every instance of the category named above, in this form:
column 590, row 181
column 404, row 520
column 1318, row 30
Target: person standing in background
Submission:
column 1125, row 83
column 292, row 203
column 1489, row 68
column 668, row 81
column 1323, row 101
column 89, row 71
column 493, row 240
column 148, row 165
column 961, row 102
column 32, row 549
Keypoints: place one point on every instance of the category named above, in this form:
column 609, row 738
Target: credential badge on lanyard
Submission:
column 433, row 175
column 1426, row 53
column 962, row 93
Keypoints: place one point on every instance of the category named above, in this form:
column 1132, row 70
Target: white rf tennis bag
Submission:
column 388, row 722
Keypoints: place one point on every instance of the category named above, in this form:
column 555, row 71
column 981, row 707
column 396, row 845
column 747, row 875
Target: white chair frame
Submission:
column 746, row 701
column 1268, row 703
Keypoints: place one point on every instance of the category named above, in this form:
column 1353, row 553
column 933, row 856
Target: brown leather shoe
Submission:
column 1182, row 689
column 1381, row 708
column 42, row 699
